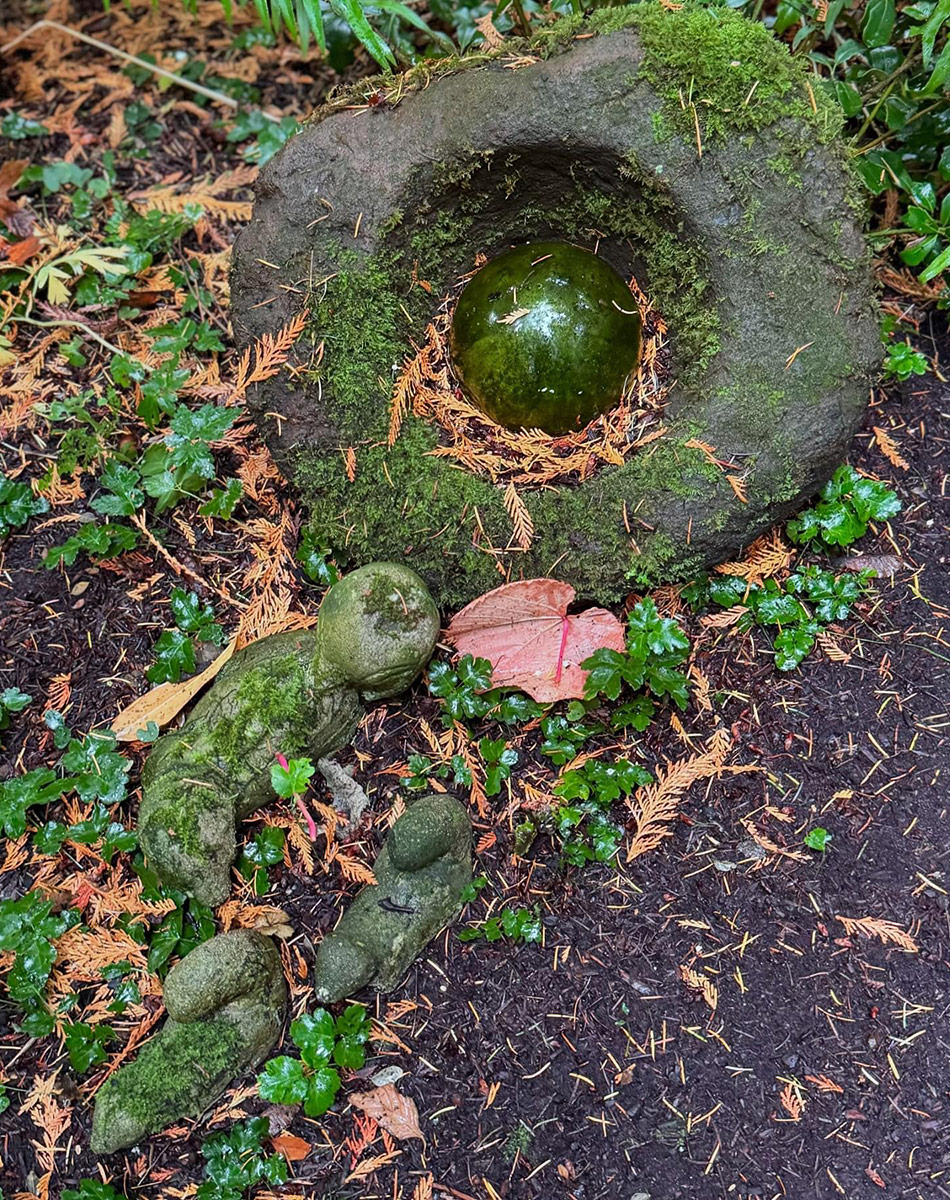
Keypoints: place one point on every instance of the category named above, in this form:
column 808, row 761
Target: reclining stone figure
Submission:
column 295, row 693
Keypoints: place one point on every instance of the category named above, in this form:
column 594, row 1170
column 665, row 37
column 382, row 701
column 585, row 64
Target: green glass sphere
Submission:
column 544, row 337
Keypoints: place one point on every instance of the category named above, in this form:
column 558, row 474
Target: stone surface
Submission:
column 545, row 337
column 420, row 872
column 225, row 1004
column 751, row 252
column 298, row 693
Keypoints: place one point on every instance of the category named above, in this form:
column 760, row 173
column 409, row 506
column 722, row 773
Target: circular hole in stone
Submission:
column 545, row 336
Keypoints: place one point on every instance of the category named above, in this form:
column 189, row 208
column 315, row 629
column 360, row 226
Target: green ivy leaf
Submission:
column 283, row 1081
column 324, row 1084
column 314, row 1035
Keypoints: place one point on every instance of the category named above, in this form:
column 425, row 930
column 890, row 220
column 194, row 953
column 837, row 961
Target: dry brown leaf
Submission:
column 701, row 983
column 164, row 703
column 397, row 1114
column 525, row 633
column 294, row 1149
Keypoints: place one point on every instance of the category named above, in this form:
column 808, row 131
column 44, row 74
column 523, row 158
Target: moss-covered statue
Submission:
column 294, row 693
column 225, row 1006
column 422, row 868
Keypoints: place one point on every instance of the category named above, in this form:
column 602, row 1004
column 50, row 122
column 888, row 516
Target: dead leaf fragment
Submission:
column 397, row 1114
column 164, row 703
column 524, row 631
column 493, row 39
column 293, row 1148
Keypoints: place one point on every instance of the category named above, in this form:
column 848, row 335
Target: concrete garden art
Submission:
column 297, row 692
column 692, row 154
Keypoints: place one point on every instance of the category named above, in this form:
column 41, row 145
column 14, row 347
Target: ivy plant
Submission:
column 798, row 608
column 12, row 700
column 519, row 925
column 656, row 646
column 98, row 541
column 28, row 929
column 466, row 693
column 498, row 758
column 18, row 504
column 422, row 769
column 582, row 818
column 324, row 1044
column 236, row 1161
column 848, row 502
column 175, row 648
column 86, row 1044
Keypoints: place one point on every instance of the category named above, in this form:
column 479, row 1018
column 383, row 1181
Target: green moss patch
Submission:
column 748, row 250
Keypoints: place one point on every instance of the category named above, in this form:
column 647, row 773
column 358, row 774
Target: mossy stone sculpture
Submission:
column 225, row 1004
column 738, row 215
column 545, row 337
column 296, row 693
column 421, row 870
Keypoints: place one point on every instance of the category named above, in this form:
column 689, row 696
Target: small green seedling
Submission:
column 12, row 700
column 817, row 839
column 656, row 646
column 517, row 924
column 848, row 503
column 236, row 1160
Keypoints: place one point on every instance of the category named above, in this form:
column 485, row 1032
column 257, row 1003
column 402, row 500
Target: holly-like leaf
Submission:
column 122, row 482
column 221, row 502
column 322, row 1088
column 191, row 616
column 314, row 1034
column 283, row 1081
column 523, row 629
column 39, row 786
column 174, row 657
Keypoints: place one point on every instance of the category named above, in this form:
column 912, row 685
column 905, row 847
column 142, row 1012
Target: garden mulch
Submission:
column 699, row 1022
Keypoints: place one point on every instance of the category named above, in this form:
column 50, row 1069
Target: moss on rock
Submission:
column 745, row 263
column 225, row 1004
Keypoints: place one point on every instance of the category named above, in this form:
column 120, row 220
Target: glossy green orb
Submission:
column 544, row 337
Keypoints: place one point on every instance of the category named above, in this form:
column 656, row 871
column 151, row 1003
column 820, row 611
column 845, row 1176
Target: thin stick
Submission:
column 80, row 325
column 220, row 97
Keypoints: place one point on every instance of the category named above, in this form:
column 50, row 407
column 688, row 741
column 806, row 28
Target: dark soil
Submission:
column 585, row 1067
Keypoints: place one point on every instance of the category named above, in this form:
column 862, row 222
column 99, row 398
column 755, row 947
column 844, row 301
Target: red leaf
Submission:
column 525, row 633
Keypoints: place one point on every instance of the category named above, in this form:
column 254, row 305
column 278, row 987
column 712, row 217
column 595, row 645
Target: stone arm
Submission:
column 421, row 869
column 227, row 1023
